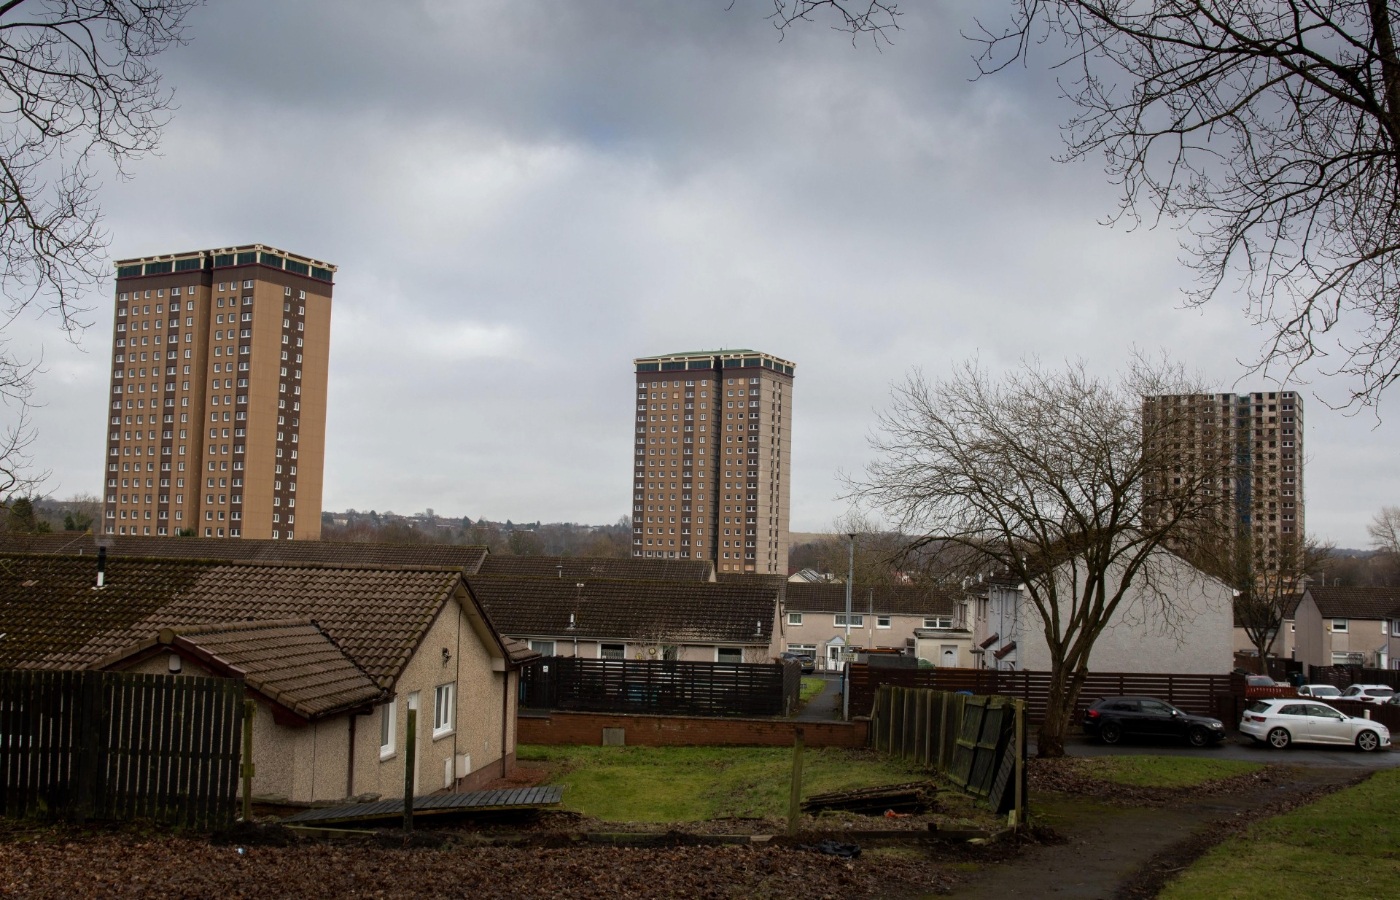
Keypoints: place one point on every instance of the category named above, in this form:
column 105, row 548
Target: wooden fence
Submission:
column 661, row 687
column 977, row 743
column 1192, row 693
column 106, row 745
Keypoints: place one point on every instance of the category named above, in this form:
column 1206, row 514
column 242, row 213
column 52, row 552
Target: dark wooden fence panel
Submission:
column 977, row 742
column 110, row 745
column 1193, row 693
column 662, row 687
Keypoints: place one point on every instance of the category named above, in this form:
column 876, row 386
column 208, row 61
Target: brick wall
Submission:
column 681, row 731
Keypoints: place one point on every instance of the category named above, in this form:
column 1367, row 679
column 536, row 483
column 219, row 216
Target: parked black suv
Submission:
column 805, row 660
column 1114, row 718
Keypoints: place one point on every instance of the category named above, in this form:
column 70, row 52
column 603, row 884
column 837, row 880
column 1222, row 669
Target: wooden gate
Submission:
column 109, row 745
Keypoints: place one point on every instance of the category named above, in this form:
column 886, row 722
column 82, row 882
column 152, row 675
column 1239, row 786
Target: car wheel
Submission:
column 1279, row 738
column 1110, row 732
column 1198, row 737
column 1368, row 741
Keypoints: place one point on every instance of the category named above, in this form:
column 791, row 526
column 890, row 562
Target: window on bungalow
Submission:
column 729, row 655
column 543, row 648
column 612, row 651
column 443, row 709
column 387, row 730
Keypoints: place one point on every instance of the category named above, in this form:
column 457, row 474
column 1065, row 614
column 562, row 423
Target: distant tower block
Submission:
column 712, row 459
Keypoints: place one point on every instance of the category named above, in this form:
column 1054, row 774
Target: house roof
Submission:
column 576, row 568
column 905, row 600
column 661, row 611
column 292, row 662
column 1356, row 602
column 53, row 618
column 448, row 556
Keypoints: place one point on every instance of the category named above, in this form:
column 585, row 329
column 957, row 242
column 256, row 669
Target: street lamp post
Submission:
column 846, row 667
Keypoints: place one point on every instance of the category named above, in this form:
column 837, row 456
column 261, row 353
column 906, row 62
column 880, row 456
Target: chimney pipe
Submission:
column 101, row 566
column 560, row 567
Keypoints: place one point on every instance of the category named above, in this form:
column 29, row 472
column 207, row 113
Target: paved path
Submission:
column 826, row 706
column 1106, row 846
column 1237, row 746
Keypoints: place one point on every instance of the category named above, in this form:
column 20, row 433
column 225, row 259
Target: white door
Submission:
column 834, row 652
column 949, row 656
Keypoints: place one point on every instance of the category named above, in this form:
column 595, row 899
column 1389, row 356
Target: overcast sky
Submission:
column 523, row 196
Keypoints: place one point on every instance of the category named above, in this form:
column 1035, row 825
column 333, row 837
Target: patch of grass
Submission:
column 1163, row 771
column 811, row 687
column 1346, row 845
column 689, row 784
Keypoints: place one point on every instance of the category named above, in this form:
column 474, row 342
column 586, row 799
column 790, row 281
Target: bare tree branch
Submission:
column 1269, row 132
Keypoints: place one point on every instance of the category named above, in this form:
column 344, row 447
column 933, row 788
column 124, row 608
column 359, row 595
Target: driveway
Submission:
column 1237, row 746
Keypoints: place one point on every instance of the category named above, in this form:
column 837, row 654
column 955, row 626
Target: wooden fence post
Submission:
column 1018, row 810
column 410, row 751
column 795, row 789
column 249, row 707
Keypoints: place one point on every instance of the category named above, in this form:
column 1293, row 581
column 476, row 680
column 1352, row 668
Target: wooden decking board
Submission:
column 514, row 798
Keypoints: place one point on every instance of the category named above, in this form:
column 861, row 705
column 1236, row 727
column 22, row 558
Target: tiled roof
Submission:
column 454, row 556
column 49, row 607
column 577, row 568
column 899, row 600
column 53, row 619
column 1355, row 603
column 662, row 611
column 293, row 663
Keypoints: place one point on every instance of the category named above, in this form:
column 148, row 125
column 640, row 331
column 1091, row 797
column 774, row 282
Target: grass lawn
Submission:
column 811, row 687
column 689, row 784
column 1163, row 771
column 1346, row 845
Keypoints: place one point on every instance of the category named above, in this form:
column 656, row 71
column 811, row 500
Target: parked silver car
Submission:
column 1283, row 720
column 1369, row 693
column 1320, row 691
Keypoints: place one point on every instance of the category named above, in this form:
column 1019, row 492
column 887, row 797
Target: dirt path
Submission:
column 1129, row 852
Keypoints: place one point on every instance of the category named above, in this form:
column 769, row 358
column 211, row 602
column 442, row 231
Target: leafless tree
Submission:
column 18, row 477
column 1042, row 475
column 1266, row 595
column 1385, row 530
column 1268, row 130
column 76, row 85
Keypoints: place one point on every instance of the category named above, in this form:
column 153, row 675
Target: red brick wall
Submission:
column 680, row 731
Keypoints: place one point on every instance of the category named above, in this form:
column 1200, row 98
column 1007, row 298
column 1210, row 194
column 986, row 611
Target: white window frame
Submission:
column 739, row 650
column 938, row 621
column 444, row 709
column 388, row 728
column 794, row 618
column 603, row 648
column 857, row 620
column 1340, row 626
column 882, row 621
column 536, row 645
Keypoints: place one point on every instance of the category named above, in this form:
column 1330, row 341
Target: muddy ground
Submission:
column 1090, row 839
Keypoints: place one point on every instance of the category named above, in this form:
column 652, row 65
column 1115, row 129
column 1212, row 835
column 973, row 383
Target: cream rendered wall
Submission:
column 1311, row 640
column 1141, row 639
column 478, row 723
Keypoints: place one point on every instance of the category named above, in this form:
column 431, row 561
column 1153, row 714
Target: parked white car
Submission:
column 1320, row 691
column 1369, row 693
column 1283, row 720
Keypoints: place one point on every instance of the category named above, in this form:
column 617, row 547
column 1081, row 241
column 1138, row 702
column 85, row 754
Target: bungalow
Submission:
column 602, row 618
column 925, row 621
column 1178, row 620
column 332, row 655
column 1340, row 626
